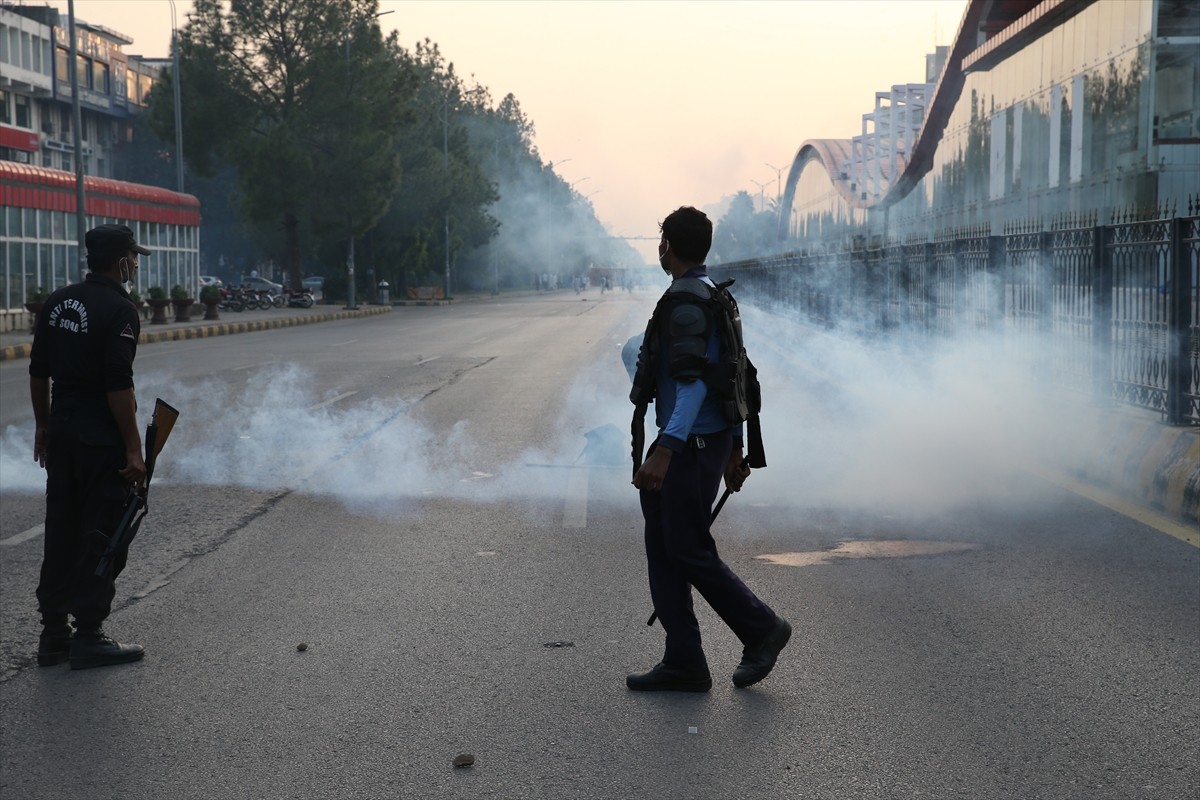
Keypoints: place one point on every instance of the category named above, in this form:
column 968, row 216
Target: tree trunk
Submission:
column 291, row 228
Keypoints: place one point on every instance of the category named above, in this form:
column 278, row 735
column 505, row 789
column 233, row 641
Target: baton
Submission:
column 716, row 511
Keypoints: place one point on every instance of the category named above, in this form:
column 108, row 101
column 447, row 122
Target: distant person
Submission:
column 696, row 446
column 87, row 439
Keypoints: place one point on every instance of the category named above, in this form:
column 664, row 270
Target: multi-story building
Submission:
column 38, row 235
column 35, row 89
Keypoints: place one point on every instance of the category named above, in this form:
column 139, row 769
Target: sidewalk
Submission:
column 17, row 344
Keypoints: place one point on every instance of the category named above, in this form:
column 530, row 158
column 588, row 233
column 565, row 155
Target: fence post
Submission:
column 928, row 295
column 1178, row 325
column 997, row 281
column 1102, row 314
column 1044, row 281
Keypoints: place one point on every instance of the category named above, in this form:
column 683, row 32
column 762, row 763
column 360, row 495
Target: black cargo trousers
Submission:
column 681, row 554
column 84, row 493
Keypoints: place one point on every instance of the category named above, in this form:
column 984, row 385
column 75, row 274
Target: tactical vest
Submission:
column 732, row 378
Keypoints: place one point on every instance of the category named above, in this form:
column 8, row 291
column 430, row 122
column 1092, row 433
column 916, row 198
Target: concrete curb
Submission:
column 1150, row 463
column 204, row 331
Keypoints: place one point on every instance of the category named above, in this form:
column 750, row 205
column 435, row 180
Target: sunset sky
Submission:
column 646, row 106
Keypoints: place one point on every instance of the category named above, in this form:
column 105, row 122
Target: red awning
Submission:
column 19, row 139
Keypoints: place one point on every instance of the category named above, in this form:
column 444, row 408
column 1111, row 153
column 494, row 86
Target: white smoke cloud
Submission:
column 903, row 423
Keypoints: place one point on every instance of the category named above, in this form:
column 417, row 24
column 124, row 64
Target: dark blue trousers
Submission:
column 681, row 554
column 83, row 493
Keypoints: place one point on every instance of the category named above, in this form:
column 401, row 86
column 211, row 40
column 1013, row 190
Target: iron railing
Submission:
column 1117, row 305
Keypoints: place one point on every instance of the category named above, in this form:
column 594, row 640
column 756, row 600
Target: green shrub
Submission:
column 38, row 295
column 135, row 296
column 157, row 293
column 210, row 294
column 178, row 292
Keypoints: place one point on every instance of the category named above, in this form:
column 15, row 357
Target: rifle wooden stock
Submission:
column 162, row 422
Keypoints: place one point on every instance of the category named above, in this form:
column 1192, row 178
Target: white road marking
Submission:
column 332, row 400
column 477, row 341
column 339, row 344
column 249, row 366
column 575, row 507
column 24, row 536
column 426, row 360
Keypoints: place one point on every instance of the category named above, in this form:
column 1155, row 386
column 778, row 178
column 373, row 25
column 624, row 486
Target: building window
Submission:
column 1177, row 94
column 60, row 64
column 24, row 115
column 5, row 108
column 100, row 77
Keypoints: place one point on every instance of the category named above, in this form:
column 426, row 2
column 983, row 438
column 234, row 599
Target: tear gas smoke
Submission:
column 907, row 423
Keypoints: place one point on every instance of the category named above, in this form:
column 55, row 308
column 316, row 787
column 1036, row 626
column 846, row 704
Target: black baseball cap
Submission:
column 109, row 240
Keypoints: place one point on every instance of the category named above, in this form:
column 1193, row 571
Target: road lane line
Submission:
column 24, row 536
column 339, row 344
column 426, row 360
column 1140, row 514
column 332, row 400
column 477, row 341
column 575, row 505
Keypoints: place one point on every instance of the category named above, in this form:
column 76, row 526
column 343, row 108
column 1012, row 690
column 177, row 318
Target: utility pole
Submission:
column 77, row 125
column 446, row 169
column 178, row 103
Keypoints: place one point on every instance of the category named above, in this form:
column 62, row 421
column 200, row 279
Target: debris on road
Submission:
column 301, row 647
column 464, row 760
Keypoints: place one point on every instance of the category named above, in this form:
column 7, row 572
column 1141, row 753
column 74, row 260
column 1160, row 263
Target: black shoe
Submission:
column 758, row 661
column 54, row 645
column 97, row 650
column 670, row 679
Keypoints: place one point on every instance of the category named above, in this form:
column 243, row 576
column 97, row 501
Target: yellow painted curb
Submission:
column 13, row 352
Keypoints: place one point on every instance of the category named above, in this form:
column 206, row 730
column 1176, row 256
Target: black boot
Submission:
column 54, row 645
column 664, row 678
column 94, row 649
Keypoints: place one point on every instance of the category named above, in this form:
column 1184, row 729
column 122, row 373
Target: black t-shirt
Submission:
column 85, row 342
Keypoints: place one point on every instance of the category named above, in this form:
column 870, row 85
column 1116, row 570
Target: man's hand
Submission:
column 39, row 447
column 650, row 475
column 736, row 471
column 134, row 470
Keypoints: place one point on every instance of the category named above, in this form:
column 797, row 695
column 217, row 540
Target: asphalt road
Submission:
column 408, row 496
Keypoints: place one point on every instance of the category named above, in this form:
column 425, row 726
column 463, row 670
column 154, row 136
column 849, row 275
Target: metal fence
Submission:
column 1114, row 308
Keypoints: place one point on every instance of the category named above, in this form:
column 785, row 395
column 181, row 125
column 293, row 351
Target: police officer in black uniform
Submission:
column 696, row 447
column 81, row 385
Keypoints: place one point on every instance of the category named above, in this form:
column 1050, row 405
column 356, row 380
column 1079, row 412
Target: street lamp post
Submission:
column 77, row 125
column 178, row 103
column 446, row 169
column 761, row 186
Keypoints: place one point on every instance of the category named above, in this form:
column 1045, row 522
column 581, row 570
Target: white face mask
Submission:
column 126, row 275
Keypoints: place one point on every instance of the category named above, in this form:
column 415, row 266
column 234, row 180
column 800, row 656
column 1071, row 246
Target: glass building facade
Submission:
column 39, row 249
column 1077, row 108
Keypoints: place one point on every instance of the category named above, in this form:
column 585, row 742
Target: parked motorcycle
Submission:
column 298, row 298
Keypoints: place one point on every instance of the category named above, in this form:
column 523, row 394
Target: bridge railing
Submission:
column 1114, row 308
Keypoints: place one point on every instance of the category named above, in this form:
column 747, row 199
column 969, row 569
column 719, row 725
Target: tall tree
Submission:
column 306, row 99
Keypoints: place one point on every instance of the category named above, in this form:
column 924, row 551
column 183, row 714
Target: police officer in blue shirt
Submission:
column 696, row 447
column 86, row 438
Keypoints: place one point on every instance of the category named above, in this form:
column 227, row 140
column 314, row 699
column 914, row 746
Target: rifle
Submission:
column 162, row 422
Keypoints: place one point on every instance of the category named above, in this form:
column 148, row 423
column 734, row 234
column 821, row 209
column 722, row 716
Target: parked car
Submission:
column 262, row 283
column 209, row 280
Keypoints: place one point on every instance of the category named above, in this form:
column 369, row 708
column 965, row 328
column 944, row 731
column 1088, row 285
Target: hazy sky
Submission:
column 646, row 106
